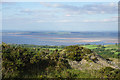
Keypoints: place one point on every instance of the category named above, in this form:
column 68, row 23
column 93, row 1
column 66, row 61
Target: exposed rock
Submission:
column 85, row 59
column 92, row 65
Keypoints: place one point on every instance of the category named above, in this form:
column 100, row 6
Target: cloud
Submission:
column 103, row 20
column 64, row 21
column 67, row 15
column 101, row 8
column 80, row 21
column 49, row 5
column 38, row 11
column 8, row 3
column 108, row 8
column 40, row 21
column 59, row 21
column 27, row 11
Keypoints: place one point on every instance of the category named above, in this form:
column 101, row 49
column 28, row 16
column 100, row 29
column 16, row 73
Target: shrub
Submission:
column 76, row 53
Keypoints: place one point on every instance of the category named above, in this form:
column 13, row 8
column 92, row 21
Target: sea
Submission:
column 57, row 38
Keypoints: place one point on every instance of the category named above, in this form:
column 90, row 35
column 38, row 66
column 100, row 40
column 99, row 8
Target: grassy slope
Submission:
column 91, row 46
column 52, row 48
column 106, row 46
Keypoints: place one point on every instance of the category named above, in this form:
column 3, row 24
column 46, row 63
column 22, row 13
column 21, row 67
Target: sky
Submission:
column 60, row 16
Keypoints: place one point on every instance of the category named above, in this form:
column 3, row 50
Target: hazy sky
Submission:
column 61, row 16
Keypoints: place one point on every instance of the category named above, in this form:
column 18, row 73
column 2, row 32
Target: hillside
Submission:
column 68, row 62
column 80, row 57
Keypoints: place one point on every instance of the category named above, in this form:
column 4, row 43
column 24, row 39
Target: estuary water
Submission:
column 58, row 38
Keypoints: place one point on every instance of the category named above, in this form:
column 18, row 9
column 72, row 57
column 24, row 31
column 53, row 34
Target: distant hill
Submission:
column 68, row 33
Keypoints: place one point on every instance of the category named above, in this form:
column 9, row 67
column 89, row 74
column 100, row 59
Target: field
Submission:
column 91, row 46
column 105, row 46
column 52, row 48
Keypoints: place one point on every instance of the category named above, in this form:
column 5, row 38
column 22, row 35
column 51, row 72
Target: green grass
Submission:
column 111, row 47
column 76, row 74
column 52, row 48
column 117, row 53
column 91, row 46
column 106, row 46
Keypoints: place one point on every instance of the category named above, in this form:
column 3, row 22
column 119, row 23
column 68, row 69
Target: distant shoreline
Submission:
column 59, row 38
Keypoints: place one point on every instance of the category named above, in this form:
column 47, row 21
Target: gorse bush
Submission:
column 19, row 60
column 76, row 53
column 29, row 62
column 109, row 72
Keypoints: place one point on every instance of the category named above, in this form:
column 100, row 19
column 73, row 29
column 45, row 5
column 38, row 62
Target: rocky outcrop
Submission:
column 84, row 59
column 95, row 62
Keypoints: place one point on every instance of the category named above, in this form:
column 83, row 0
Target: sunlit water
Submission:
column 55, row 39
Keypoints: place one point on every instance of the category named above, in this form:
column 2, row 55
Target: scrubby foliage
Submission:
column 76, row 53
column 18, row 61
column 109, row 72
column 34, row 62
column 107, row 53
